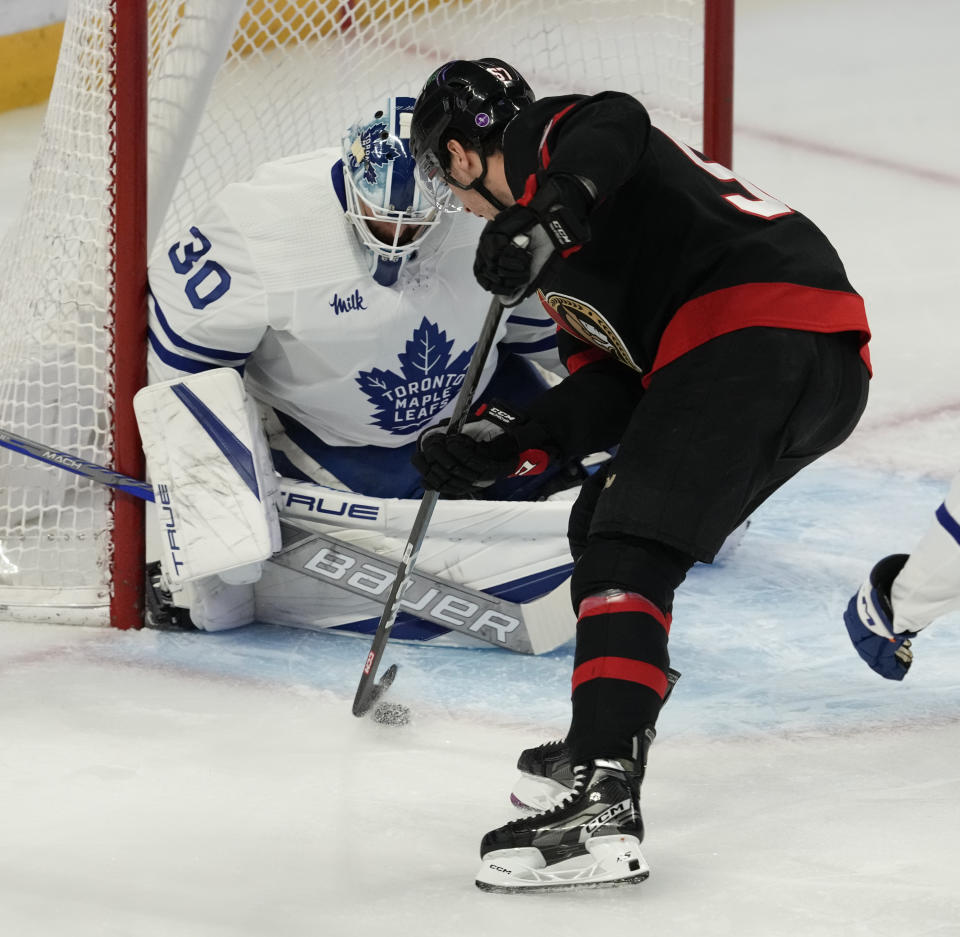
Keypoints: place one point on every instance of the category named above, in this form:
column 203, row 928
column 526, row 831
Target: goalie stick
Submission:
column 533, row 627
column 73, row 463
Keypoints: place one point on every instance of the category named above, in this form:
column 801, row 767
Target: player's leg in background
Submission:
column 928, row 586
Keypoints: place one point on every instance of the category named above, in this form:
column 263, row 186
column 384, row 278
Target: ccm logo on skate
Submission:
column 609, row 814
column 429, row 601
column 499, row 868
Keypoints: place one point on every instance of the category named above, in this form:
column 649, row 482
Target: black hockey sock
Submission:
column 620, row 674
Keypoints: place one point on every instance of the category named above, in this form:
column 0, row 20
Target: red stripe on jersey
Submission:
column 544, row 152
column 583, row 358
column 529, row 190
column 622, row 602
column 777, row 305
column 621, row 668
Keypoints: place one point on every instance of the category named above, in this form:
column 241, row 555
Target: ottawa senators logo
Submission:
column 581, row 319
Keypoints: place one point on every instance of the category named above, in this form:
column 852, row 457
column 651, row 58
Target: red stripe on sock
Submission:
column 622, row 668
column 622, row 602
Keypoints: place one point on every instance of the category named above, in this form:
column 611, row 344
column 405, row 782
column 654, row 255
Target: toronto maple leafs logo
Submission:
column 373, row 147
column 429, row 380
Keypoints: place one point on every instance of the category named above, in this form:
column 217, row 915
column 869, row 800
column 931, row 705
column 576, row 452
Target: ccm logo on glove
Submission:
column 515, row 246
column 497, row 442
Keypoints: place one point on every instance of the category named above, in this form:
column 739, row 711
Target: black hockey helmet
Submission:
column 471, row 100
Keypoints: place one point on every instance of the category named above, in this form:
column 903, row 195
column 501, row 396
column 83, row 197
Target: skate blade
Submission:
column 537, row 793
column 608, row 861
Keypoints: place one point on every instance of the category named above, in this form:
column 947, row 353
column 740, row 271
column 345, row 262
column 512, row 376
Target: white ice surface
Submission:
column 217, row 785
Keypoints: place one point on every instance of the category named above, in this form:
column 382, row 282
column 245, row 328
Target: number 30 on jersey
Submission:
column 209, row 281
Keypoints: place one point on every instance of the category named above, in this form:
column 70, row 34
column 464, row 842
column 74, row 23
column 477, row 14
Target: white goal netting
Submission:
column 232, row 84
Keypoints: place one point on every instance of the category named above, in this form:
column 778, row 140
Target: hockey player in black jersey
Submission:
column 712, row 337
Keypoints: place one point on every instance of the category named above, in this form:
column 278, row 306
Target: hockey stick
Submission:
column 72, row 463
column 532, row 627
column 368, row 690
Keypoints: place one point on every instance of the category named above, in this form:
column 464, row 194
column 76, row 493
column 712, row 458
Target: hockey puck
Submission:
column 391, row 714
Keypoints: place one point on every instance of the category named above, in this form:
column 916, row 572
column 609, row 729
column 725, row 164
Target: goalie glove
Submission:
column 869, row 621
column 516, row 245
column 496, row 443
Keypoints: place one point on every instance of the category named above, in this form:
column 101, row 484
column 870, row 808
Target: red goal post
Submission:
column 155, row 107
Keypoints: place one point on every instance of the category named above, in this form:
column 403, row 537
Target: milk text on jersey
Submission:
column 350, row 304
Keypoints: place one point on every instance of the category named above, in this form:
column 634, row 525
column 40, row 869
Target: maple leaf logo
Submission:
column 427, row 382
column 372, row 148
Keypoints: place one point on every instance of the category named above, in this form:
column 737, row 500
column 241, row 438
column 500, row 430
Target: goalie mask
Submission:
column 472, row 101
column 390, row 214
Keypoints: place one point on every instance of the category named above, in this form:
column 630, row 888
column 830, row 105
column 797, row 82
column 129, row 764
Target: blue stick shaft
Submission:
column 72, row 463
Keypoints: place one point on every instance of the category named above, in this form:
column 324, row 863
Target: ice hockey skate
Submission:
column 591, row 839
column 546, row 775
column 161, row 612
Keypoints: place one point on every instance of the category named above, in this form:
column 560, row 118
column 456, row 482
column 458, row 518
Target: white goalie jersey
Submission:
column 273, row 281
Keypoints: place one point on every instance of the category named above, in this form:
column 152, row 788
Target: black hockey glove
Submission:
column 554, row 220
column 495, row 443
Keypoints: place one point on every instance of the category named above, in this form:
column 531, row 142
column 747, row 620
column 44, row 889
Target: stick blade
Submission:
column 366, row 698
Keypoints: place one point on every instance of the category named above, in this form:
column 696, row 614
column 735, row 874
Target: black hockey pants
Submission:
column 715, row 434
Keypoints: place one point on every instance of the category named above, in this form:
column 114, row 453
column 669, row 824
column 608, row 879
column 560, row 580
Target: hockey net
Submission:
column 230, row 85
